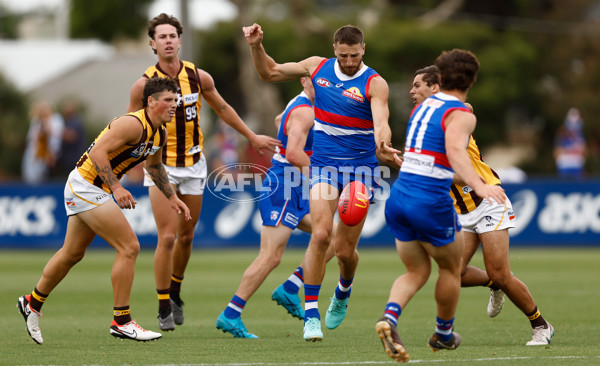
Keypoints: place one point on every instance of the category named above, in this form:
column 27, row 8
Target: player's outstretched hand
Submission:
column 389, row 155
column 253, row 34
column 264, row 142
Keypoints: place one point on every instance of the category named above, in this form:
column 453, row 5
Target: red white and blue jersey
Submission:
column 426, row 171
column 343, row 117
column 301, row 100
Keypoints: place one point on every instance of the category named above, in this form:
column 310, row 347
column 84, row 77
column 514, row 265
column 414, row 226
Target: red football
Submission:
column 354, row 203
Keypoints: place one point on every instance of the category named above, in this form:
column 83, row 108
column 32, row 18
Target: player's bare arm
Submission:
column 136, row 95
column 125, row 130
column 379, row 94
column 459, row 126
column 269, row 70
column 298, row 127
column 230, row 116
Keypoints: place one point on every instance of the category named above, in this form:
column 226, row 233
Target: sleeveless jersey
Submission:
column 185, row 139
column 126, row 157
column 426, row 172
column 465, row 199
column 301, row 100
column 343, row 118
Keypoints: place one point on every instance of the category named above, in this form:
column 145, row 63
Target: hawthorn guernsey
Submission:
column 354, row 203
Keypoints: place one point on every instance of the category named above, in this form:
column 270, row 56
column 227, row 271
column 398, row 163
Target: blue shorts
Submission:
column 428, row 221
column 288, row 203
column 345, row 172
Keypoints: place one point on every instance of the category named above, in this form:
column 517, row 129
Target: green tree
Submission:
column 108, row 19
column 13, row 124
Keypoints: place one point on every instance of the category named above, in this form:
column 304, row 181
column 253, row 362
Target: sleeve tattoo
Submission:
column 161, row 180
column 106, row 174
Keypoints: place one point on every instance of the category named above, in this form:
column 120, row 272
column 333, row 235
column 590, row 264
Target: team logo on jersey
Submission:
column 323, row 82
column 511, row 215
column 139, row 151
column 467, row 189
column 354, row 93
column 274, row 215
column 70, row 202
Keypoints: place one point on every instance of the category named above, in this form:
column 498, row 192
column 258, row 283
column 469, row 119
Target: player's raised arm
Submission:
column 269, row 70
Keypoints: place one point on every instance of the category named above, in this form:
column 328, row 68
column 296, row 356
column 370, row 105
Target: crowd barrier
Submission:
column 555, row 213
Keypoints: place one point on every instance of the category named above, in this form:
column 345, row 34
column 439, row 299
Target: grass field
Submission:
column 564, row 282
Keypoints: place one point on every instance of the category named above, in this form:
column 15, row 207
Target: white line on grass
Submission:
column 385, row 362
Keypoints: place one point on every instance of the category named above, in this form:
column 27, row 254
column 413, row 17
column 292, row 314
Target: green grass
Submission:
column 564, row 282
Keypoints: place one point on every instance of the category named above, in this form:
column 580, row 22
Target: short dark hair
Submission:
column 458, row 69
column 163, row 18
column 349, row 35
column 158, row 84
column 431, row 75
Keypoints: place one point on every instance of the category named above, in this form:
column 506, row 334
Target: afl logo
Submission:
column 323, row 82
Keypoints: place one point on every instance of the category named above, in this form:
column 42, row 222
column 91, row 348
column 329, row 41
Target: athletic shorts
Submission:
column 410, row 219
column 81, row 195
column 339, row 176
column 187, row 180
column 487, row 217
column 287, row 205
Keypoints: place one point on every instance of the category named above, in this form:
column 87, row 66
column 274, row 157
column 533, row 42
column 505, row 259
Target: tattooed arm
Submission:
column 157, row 172
column 125, row 130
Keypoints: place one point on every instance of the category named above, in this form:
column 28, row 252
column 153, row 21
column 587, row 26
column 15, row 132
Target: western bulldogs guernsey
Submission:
column 301, row 100
column 343, row 118
column 426, row 172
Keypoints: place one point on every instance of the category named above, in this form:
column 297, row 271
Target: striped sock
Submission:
column 175, row 289
column 163, row 299
column 392, row 312
column 122, row 315
column 294, row 282
column 444, row 328
column 235, row 307
column 37, row 299
column 311, row 301
column 343, row 289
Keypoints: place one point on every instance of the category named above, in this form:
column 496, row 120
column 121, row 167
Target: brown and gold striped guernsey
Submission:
column 127, row 156
column 465, row 200
column 185, row 141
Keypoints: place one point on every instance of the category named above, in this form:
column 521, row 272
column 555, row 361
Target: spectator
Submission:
column 43, row 143
column 569, row 147
column 73, row 139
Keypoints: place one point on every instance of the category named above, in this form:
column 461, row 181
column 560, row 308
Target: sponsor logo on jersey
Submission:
column 354, row 93
column 190, row 98
column 100, row 197
column 291, row 219
column 430, row 102
column 323, row 82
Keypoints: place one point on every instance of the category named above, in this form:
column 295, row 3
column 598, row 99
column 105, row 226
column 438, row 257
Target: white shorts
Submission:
column 187, row 180
column 486, row 218
column 81, row 195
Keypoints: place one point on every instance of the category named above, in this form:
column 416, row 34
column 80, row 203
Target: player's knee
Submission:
column 166, row 240
column 345, row 254
column 129, row 250
column 322, row 237
column 185, row 239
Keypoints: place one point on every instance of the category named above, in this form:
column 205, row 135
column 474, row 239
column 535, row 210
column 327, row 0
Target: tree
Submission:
column 108, row 19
